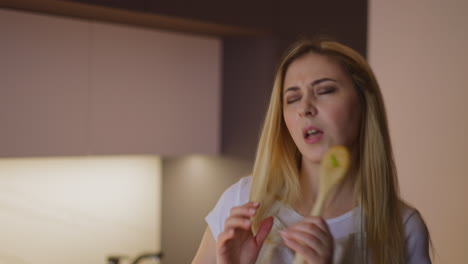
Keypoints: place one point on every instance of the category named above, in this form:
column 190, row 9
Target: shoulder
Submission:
column 242, row 187
column 416, row 236
column 412, row 221
column 237, row 194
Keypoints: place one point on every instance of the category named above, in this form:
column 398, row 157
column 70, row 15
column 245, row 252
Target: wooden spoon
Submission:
column 333, row 168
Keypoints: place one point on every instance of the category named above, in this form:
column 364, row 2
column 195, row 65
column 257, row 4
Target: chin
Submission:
column 315, row 156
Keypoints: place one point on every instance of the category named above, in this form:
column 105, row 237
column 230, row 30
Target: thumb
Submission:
column 264, row 230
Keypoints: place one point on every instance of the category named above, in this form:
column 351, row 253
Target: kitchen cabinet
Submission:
column 43, row 85
column 77, row 87
column 154, row 92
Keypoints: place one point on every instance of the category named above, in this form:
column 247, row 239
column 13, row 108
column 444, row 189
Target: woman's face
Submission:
column 320, row 106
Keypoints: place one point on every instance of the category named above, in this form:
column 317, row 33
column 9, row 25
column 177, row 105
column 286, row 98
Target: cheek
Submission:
column 290, row 121
column 346, row 122
column 287, row 121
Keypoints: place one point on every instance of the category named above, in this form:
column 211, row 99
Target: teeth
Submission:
column 311, row 131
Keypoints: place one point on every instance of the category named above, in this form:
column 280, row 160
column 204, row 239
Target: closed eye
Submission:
column 326, row 91
column 292, row 100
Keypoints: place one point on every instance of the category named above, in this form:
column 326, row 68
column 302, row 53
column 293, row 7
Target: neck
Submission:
column 340, row 200
column 309, row 180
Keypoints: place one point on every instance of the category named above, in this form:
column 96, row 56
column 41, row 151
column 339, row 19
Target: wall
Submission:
column 79, row 209
column 78, row 87
column 248, row 74
column 249, row 64
column 418, row 51
column 192, row 186
column 275, row 25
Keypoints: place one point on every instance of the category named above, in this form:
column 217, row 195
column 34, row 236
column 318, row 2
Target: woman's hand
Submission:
column 310, row 238
column 237, row 244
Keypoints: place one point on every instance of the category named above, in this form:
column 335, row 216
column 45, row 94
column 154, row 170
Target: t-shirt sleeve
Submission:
column 417, row 239
column 237, row 194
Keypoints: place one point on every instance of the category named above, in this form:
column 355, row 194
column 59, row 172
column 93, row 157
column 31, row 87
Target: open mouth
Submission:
column 311, row 132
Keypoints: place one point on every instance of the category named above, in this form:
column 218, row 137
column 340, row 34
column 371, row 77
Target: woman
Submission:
column 324, row 94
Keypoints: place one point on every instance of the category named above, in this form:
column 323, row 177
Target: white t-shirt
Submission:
column 345, row 229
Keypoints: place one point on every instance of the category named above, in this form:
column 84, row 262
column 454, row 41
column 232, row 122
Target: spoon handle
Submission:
column 316, row 211
column 319, row 205
column 333, row 168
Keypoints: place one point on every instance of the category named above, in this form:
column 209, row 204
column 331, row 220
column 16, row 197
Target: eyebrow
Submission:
column 316, row 82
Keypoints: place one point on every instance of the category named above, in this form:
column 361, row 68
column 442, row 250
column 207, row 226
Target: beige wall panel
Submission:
column 418, row 51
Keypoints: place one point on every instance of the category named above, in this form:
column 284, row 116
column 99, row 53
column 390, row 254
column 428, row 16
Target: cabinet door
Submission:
column 43, row 84
column 154, row 92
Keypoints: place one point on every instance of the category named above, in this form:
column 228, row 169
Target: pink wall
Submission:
column 418, row 50
column 76, row 87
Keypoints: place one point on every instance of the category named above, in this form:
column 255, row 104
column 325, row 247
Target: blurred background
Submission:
column 122, row 122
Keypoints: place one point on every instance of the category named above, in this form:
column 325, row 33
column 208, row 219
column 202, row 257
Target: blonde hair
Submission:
column 276, row 168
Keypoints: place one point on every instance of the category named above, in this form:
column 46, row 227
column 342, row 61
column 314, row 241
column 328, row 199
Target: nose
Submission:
column 307, row 108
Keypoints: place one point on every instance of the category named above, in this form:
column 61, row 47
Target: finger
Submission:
column 237, row 223
column 323, row 229
column 304, row 239
column 312, row 229
column 246, row 210
column 301, row 249
column 225, row 236
column 318, row 221
column 263, row 230
column 240, row 216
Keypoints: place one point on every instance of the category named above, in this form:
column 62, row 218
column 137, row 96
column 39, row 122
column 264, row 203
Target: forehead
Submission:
column 310, row 67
